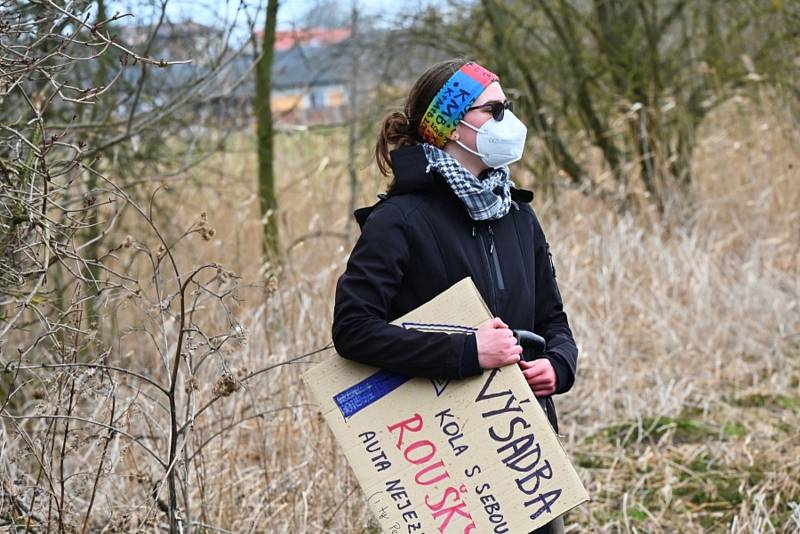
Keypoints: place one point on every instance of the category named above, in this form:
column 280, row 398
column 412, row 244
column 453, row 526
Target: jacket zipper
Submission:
column 492, row 289
column 492, row 253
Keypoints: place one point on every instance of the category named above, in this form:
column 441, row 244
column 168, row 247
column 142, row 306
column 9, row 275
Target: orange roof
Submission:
column 286, row 39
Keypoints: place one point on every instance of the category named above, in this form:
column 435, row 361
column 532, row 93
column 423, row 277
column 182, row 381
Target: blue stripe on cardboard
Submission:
column 374, row 387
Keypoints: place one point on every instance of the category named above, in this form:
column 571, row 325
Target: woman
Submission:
column 452, row 211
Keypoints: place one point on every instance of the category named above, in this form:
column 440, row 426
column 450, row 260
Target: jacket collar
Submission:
column 409, row 166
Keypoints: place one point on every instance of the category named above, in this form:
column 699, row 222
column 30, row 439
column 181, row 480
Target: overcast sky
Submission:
column 290, row 13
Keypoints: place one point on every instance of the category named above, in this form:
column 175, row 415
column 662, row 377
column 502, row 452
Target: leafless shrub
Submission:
column 112, row 351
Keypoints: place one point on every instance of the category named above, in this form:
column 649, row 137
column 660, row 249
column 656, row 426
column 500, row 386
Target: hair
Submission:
column 401, row 128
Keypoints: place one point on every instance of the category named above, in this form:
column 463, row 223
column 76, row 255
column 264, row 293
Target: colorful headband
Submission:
column 451, row 102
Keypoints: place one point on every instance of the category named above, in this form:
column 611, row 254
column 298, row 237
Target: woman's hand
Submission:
column 540, row 375
column 497, row 346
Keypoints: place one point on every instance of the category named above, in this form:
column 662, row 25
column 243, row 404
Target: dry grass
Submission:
column 685, row 411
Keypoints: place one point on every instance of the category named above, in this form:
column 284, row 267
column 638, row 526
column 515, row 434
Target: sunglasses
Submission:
column 496, row 107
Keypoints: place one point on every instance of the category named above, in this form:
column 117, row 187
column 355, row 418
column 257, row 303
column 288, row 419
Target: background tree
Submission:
column 633, row 79
column 122, row 108
column 266, row 172
column 72, row 91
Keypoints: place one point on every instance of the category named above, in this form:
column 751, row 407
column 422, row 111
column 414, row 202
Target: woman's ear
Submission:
column 454, row 135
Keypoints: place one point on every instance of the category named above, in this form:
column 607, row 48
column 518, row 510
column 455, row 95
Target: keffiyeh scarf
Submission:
column 485, row 199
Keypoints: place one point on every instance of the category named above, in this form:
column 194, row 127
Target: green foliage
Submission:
column 707, row 465
column 763, row 400
column 680, row 429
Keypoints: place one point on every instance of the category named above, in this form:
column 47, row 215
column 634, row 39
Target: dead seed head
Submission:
column 272, row 284
column 207, row 233
column 226, row 385
column 191, row 385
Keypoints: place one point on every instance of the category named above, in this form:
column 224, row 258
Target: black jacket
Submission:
column 419, row 240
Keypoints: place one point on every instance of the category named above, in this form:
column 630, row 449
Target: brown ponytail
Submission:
column 401, row 128
column 396, row 132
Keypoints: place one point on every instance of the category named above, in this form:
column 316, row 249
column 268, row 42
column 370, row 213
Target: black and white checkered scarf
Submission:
column 489, row 198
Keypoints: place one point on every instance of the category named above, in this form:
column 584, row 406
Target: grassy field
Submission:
column 685, row 412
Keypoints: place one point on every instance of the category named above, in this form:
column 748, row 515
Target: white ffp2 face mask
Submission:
column 499, row 142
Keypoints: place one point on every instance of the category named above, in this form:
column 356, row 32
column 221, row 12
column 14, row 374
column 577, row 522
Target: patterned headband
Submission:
column 451, row 102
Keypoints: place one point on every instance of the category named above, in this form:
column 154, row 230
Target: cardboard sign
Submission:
column 475, row 455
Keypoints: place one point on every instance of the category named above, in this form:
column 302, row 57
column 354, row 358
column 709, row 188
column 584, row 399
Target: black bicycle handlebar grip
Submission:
column 532, row 341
